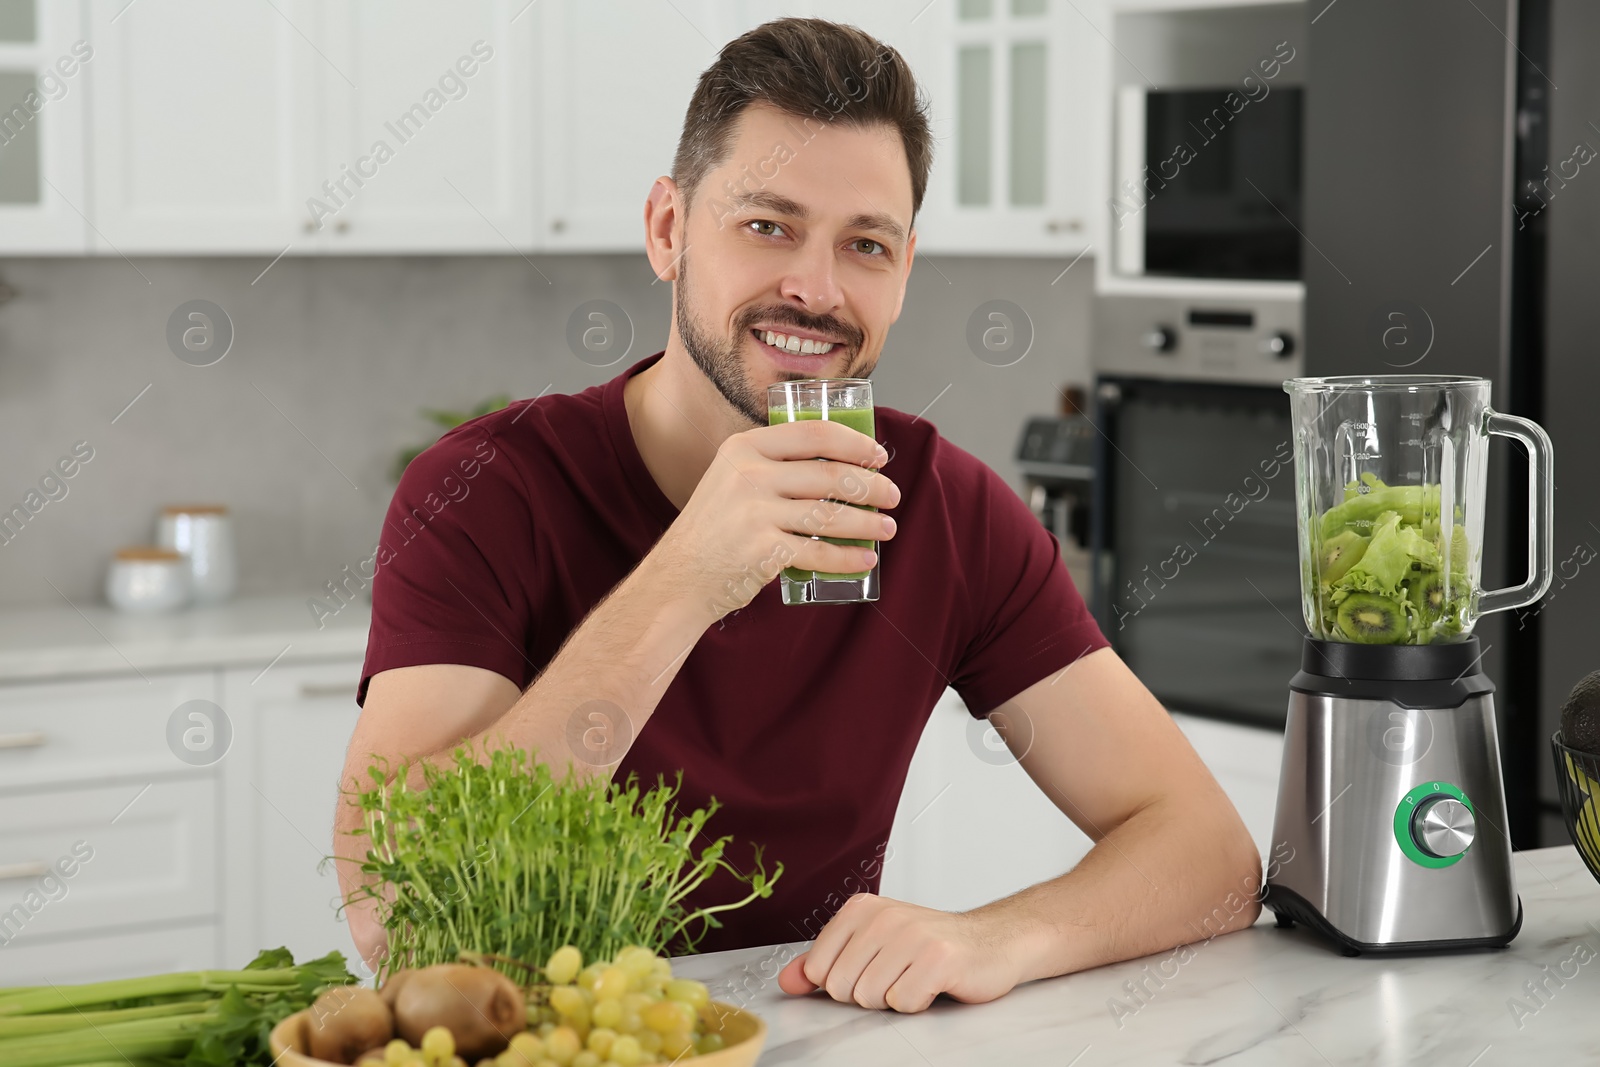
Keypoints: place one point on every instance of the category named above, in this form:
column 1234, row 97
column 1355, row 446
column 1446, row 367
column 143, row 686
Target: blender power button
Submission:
column 1443, row 827
column 1434, row 824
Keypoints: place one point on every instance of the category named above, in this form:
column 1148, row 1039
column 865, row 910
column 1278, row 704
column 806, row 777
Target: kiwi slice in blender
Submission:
column 1370, row 619
column 1339, row 553
column 1427, row 592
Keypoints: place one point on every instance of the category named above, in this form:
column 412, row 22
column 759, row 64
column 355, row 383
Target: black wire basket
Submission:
column 1578, row 780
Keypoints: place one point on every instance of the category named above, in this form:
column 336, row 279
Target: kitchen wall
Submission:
column 297, row 426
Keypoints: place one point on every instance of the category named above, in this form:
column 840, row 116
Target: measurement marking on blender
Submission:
column 1331, row 803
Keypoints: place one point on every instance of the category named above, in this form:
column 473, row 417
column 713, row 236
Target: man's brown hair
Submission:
column 819, row 72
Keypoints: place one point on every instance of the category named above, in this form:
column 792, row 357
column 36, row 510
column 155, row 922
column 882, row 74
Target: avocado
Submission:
column 1580, row 715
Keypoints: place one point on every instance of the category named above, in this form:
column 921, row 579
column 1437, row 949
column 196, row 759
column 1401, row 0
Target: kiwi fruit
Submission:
column 1580, row 715
column 347, row 1020
column 1370, row 619
column 1427, row 593
column 1339, row 553
column 482, row 1008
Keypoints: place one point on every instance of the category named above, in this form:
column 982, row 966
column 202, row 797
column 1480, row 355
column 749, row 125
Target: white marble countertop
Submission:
column 67, row 641
column 1261, row 996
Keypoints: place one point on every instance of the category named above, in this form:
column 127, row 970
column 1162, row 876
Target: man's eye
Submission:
column 858, row 242
column 763, row 222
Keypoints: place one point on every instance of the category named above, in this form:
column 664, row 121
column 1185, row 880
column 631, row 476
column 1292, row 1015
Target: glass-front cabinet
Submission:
column 1018, row 113
column 45, row 63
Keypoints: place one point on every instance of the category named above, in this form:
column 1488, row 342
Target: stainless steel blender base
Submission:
column 1370, row 791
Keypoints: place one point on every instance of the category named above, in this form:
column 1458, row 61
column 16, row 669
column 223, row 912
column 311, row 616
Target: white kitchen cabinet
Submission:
column 205, row 120
column 80, row 859
column 429, row 144
column 616, row 80
column 293, row 724
column 94, row 729
column 161, row 949
column 256, row 128
column 1020, row 94
column 44, row 64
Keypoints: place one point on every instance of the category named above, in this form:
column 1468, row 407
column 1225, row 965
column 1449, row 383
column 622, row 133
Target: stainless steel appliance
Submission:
column 1391, row 809
column 1195, row 580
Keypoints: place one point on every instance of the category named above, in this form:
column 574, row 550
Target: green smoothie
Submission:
column 860, row 420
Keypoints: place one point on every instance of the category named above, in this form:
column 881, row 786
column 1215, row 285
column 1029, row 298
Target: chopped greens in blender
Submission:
column 1386, row 575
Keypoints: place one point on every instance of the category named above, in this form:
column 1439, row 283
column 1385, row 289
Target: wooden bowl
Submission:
column 744, row 1034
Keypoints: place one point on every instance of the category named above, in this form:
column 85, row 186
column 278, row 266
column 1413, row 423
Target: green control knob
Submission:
column 1434, row 824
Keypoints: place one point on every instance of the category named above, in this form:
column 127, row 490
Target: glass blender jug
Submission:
column 1390, row 827
column 1390, row 478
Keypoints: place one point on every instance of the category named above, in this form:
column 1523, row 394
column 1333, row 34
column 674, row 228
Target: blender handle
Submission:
column 1540, row 512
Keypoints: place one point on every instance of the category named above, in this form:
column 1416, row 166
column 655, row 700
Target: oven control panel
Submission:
column 1198, row 339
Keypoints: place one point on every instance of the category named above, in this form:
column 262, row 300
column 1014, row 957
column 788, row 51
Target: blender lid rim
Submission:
column 1342, row 382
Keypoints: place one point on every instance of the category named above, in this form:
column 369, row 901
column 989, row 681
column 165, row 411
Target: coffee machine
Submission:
column 1056, row 454
column 1390, row 832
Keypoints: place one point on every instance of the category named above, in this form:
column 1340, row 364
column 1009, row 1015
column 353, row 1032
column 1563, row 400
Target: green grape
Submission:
column 676, row 1043
column 562, row 1045
column 607, row 1013
column 662, row 967
column 688, row 991
column 396, row 1053
column 545, row 1028
column 650, row 1042
column 438, row 1045
column 708, row 1043
column 666, row 1015
column 636, row 1001
column 637, row 960
column 625, row 1051
column 586, row 1059
column 567, row 999
column 564, row 965
column 631, row 1022
column 525, row 1051
column 600, row 1039
column 612, row 984
column 590, row 975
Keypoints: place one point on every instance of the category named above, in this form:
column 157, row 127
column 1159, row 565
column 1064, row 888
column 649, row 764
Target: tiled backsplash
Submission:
column 297, row 427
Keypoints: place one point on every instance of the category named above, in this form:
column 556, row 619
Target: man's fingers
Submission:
column 792, row 979
column 817, row 438
column 829, row 480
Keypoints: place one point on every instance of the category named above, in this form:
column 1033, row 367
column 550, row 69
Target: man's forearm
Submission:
column 1163, row 878
column 604, row 684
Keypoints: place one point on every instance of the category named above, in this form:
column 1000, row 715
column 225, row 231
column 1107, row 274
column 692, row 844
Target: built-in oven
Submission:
column 1196, row 578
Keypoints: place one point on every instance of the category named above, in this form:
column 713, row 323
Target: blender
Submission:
column 1390, row 832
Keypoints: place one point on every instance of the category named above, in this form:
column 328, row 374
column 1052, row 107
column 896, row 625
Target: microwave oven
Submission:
column 1209, row 184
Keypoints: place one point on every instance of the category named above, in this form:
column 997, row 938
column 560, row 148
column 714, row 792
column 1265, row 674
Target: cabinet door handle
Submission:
column 30, row 739
column 309, row 690
column 10, row 872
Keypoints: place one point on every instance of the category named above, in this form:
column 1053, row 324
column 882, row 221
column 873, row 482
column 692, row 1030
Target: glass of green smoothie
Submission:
column 846, row 400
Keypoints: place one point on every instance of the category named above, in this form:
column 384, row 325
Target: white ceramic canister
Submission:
column 203, row 533
column 146, row 579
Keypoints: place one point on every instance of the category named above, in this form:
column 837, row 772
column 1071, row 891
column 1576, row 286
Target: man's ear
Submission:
column 663, row 235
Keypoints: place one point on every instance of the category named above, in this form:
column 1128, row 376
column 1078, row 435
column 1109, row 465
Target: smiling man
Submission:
column 607, row 558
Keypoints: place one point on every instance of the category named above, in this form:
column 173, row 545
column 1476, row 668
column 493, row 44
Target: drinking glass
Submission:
column 846, row 400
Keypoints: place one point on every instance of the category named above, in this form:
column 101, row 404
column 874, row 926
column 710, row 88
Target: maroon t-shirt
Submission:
column 800, row 720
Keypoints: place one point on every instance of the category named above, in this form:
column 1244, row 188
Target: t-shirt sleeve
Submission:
column 1028, row 619
column 445, row 589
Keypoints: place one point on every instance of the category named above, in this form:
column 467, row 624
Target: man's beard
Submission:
column 720, row 361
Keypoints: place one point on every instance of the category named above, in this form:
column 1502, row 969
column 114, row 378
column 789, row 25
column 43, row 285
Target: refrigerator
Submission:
column 1452, row 226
